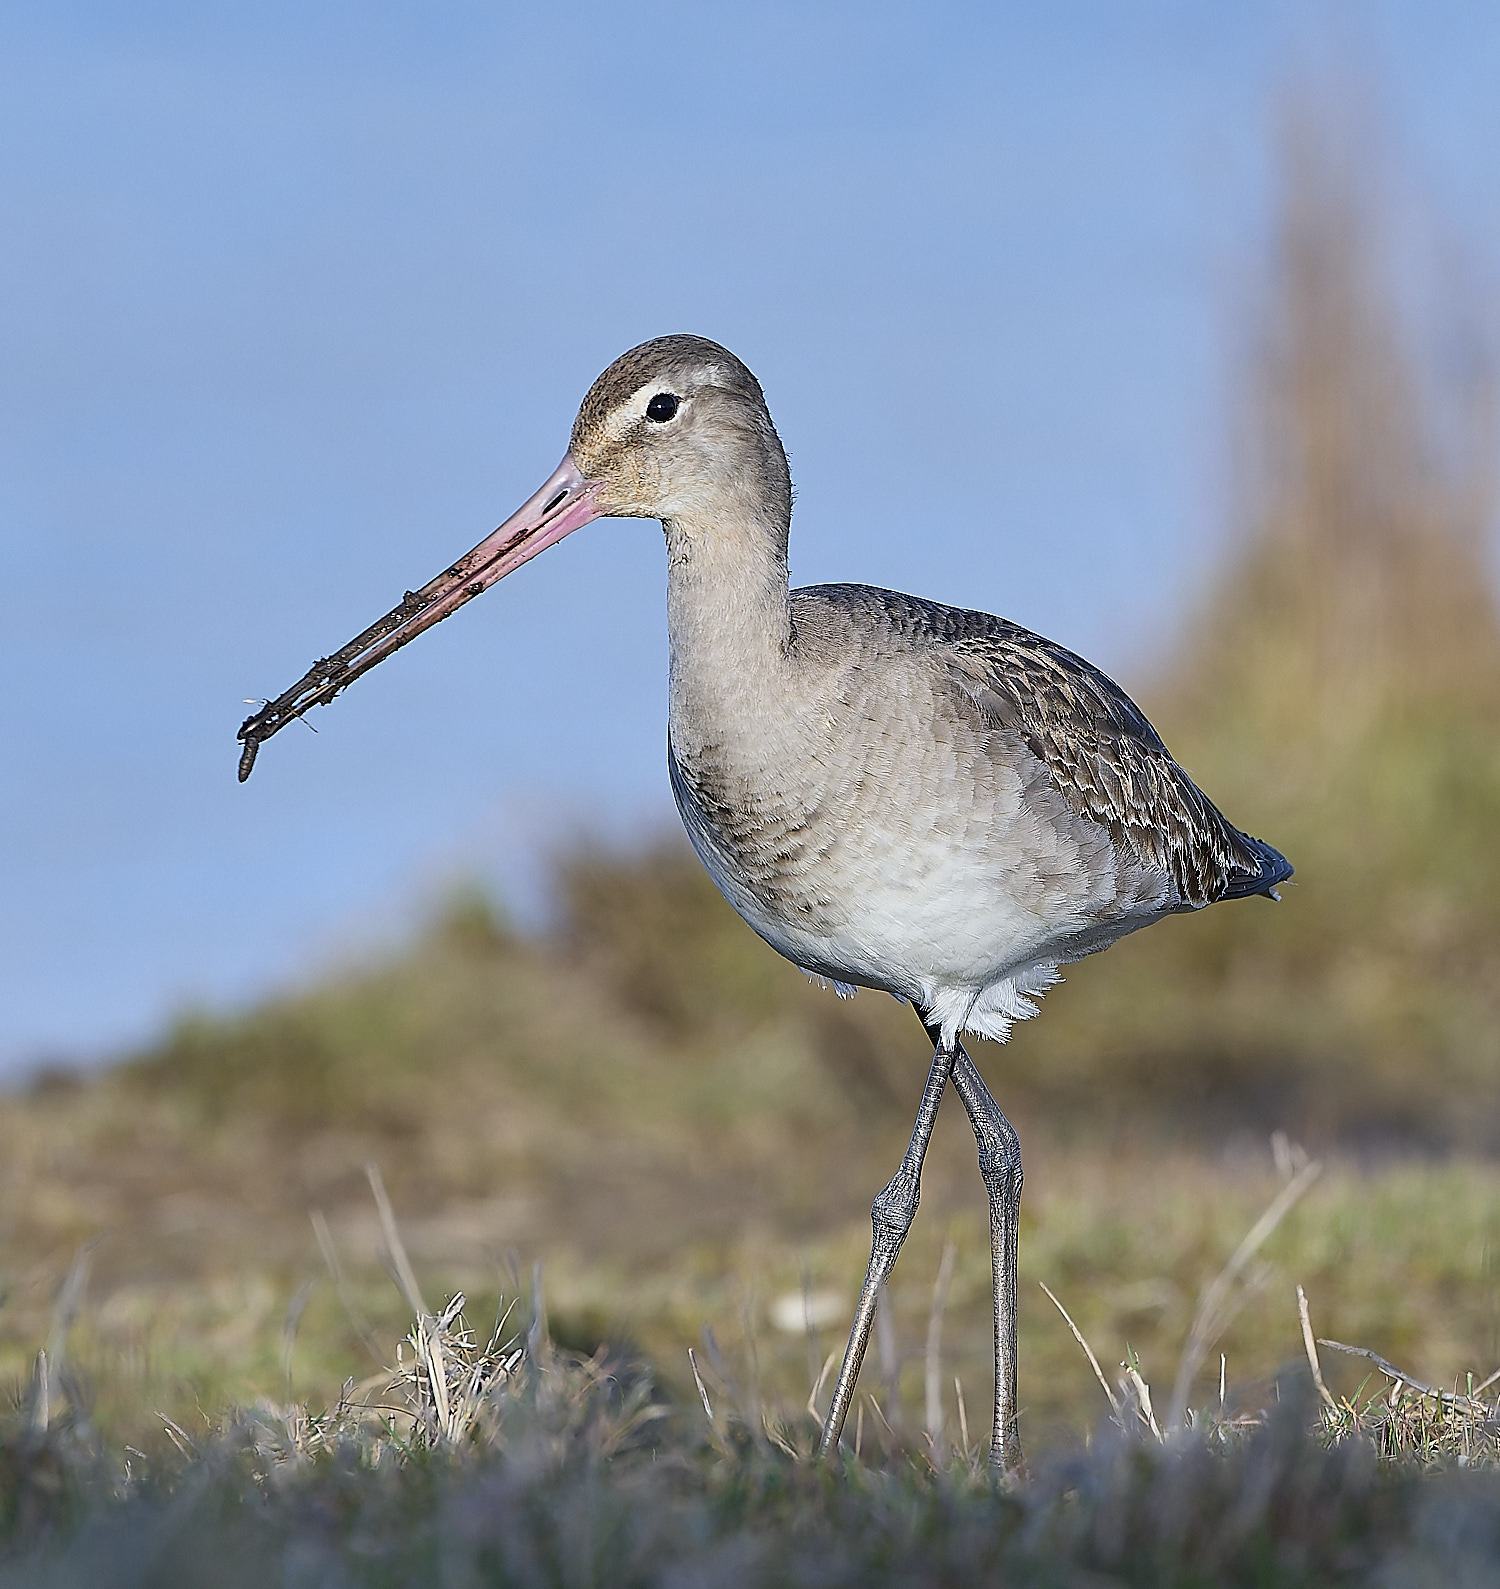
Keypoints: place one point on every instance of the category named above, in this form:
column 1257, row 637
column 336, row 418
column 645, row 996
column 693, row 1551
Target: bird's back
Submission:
column 1100, row 750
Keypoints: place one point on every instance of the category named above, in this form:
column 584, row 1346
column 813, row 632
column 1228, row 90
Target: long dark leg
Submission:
column 1000, row 1165
column 891, row 1215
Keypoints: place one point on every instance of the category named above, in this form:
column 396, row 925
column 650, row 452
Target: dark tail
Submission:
column 1274, row 870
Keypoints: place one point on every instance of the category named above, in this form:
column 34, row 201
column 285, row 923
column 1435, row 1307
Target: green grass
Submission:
column 186, row 1309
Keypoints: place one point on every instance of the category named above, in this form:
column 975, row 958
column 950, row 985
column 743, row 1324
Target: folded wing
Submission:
column 1108, row 761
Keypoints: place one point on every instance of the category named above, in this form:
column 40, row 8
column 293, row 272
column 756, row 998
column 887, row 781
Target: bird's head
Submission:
column 676, row 429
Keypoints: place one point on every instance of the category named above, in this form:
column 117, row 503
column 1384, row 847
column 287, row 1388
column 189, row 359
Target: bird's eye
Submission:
column 663, row 407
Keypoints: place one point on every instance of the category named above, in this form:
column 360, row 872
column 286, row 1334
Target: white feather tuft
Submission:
column 992, row 1010
column 845, row 990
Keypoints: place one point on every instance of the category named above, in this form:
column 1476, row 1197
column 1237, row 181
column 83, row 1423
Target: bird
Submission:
column 893, row 793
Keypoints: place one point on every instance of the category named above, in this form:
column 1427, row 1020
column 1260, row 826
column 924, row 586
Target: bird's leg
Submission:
column 1000, row 1164
column 891, row 1215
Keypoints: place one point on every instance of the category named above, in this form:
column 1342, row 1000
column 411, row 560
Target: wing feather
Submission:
column 1108, row 761
column 1101, row 752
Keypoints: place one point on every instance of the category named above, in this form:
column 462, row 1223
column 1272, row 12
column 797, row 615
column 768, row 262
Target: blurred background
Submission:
column 1174, row 338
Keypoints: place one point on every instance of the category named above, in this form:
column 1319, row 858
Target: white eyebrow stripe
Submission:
column 629, row 411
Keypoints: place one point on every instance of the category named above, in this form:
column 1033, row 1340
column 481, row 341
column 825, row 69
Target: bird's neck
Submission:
column 728, row 619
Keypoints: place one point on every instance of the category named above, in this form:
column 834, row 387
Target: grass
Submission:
column 523, row 1107
column 514, row 1462
column 501, row 1458
column 196, row 1305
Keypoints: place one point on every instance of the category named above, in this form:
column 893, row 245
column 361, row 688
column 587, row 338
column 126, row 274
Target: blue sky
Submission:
column 297, row 301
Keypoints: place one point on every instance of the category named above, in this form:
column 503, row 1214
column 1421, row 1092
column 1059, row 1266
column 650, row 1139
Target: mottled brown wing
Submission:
column 1109, row 762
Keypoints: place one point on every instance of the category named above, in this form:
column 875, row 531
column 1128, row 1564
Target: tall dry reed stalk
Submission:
column 1365, row 469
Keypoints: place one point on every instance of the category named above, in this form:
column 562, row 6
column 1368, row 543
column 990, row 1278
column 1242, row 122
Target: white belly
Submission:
column 956, row 881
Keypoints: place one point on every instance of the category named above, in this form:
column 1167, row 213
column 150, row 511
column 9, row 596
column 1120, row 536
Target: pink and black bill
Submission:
column 564, row 503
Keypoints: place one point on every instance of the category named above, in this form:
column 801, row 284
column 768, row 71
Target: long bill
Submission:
column 565, row 502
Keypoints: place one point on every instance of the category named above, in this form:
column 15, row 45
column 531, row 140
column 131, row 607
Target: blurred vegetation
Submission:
column 560, row 1471
column 1340, row 695
column 522, row 1465
column 688, row 1131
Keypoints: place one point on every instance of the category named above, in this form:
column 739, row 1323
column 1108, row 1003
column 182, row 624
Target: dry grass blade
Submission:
column 289, row 1323
column 452, row 1380
column 885, row 1422
column 65, row 1307
column 430, row 1344
column 702, row 1388
column 538, row 1336
column 777, row 1439
column 817, row 1390
column 336, row 1274
column 48, row 1368
column 1216, row 1306
column 720, row 1367
column 1311, row 1347
column 178, row 1436
column 1289, row 1157
column 934, row 1354
column 1399, row 1376
column 1088, row 1351
column 405, row 1275
column 1140, row 1394
column 41, row 1395
column 1415, row 1423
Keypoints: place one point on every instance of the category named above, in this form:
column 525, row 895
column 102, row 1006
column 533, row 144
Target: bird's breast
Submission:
column 867, row 835
column 759, row 820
